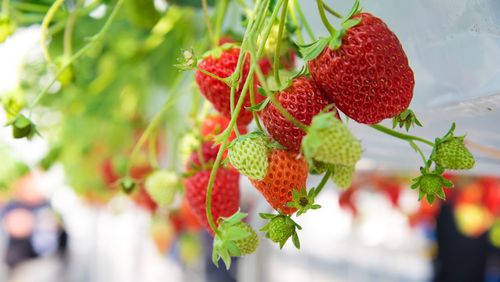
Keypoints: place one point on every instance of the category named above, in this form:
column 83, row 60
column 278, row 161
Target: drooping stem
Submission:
column 252, row 103
column 323, row 182
column 277, row 51
column 400, row 135
column 304, row 21
column 324, row 18
column 293, row 17
column 45, row 24
column 221, row 12
column 153, row 125
column 68, row 31
column 80, row 52
column 332, row 11
column 234, row 116
column 208, row 23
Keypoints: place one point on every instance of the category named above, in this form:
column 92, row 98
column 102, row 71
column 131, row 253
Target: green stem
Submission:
column 68, row 31
column 152, row 151
column 234, row 116
column 29, row 7
column 304, row 21
column 212, row 75
column 45, row 24
column 80, row 52
column 323, row 182
column 152, row 126
column 221, row 12
column 208, row 23
column 277, row 55
column 324, row 19
column 419, row 151
column 293, row 17
column 252, row 102
column 400, row 135
column 332, row 11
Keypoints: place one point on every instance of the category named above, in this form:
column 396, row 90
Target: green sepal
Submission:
column 303, row 201
column 127, row 184
column 23, row 127
column 260, row 106
column 312, row 50
column 406, row 119
column 356, row 9
column 188, row 61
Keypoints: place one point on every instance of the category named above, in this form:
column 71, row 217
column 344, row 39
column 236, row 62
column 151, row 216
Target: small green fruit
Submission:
column 162, row 186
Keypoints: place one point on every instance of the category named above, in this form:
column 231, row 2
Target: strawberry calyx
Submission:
column 430, row 184
column 280, row 228
column 406, row 119
column 127, row 184
column 303, row 201
column 225, row 242
column 23, row 127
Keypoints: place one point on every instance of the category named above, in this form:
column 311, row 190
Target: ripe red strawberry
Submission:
column 303, row 100
column 219, row 93
column 368, row 76
column 286, row 172
column 209, row 153
column 225, row 194
column 214, row 125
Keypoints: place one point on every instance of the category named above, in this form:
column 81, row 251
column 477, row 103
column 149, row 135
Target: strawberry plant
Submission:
column 107, row 87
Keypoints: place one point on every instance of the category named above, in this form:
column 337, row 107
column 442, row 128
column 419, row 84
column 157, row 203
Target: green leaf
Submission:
column 314, row 49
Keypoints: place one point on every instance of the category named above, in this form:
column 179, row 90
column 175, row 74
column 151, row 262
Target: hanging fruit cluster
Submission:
column 300, row 114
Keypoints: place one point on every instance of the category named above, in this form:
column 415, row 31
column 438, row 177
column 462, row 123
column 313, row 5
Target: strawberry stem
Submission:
column 400, row 135
column 323, row 182
column 304, row 21
column 277, row 55
column 252, row 103
column 77, row 55
column 208, row 23
column 221, row 12
column 45, row 24
column 324, row 19
column 332, row 11
column 234, row 116
column 293, row 17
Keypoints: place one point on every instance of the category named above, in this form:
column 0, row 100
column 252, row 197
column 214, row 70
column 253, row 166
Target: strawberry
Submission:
column 430, row 184
column 329, row 140
column 342, row 175
column 162, row 186
column 225, row 194
column 142, row 199
column 280, row 228
column 367, row 76
column 214, row 125
column 248, row 154
column 209, row 153
column 235, row 238
column 218, row 92
column 249, row 244
column 286, row 172
column 303, row 100
column 452, row 154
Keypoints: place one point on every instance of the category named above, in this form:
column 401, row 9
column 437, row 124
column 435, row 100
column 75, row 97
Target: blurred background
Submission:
column 63, row 218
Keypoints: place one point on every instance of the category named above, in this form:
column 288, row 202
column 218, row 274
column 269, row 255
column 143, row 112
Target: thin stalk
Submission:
column 212, row 75
column 293, row 17
column 252, row 102
column 324, row 19
column 400, row 135
column 208, row 23
column 304, row 21
column 152, row 127
column 277, row 55
column 221, row 12
column 234, row 116
column 68, row 31
column 152, row 151
column 332, row 11
column 80, row 52
column 323, row 182
column 45, row 25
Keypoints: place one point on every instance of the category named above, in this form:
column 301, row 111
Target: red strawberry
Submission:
column 225, row 194
column 209, row 153
column 286, row 172
column 214, row 125
column 303, row 100
column 287, row 62
column 219, row 93
column 142, row 199
column 368, row 76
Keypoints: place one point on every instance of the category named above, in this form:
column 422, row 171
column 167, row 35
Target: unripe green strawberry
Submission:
column 249, row 244
column 280, row 228
column 248, row 154
column 342, row 176
column 430, row 184
column 329, row 140
column 161, row 186
column 22, row 127
column 452, row 154
column 272, row 42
